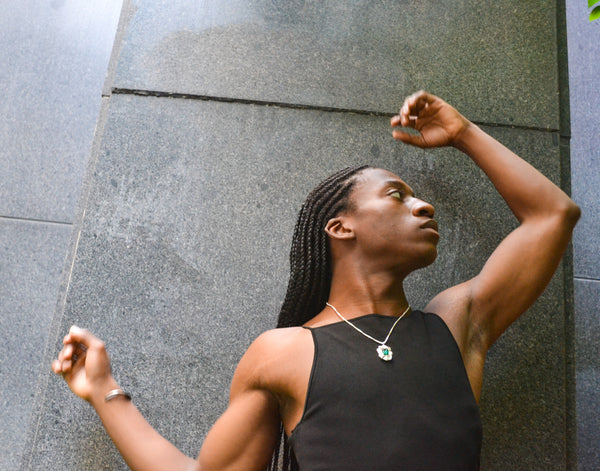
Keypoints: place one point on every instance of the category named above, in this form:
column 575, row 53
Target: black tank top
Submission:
column 414, row 413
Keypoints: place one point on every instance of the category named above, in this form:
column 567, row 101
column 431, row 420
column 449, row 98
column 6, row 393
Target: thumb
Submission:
column 412, row 139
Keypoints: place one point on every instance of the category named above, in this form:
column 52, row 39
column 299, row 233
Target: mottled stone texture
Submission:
column 31, row 258
column 584, row 40
column 584, row 70
column 496, row 61
column 53, row 60
column 587, row 300
column 182, row 259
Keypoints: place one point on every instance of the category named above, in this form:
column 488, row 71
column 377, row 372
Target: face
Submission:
column 390, row 223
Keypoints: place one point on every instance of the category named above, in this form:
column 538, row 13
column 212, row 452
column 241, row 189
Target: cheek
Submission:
column 384, row 233
column 377, row 225
column 392, row 232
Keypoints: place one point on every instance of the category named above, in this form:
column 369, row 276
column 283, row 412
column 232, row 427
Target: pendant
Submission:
column 384, row 352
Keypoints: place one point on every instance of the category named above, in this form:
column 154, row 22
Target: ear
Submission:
column 338, row 228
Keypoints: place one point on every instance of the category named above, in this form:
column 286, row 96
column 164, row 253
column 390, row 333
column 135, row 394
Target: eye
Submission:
column 397, row 194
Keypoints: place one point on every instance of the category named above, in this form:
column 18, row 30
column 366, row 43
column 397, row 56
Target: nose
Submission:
column 422, row 208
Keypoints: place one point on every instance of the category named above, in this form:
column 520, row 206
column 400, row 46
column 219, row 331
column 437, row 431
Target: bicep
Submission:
column 244, row 436
column 516, row 274
column 479, row 310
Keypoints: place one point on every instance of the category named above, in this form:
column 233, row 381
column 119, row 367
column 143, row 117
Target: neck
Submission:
column 356, row 294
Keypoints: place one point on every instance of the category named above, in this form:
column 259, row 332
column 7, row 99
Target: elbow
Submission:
column 565, row 216
column 571, row 214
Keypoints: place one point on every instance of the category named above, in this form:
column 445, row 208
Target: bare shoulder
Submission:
column 275, row 358
column 283, row 337
column 274, row 344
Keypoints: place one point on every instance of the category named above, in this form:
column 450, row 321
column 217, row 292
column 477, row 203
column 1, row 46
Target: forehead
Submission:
column 374, row 179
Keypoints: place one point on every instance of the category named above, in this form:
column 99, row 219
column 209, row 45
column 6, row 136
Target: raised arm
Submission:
column 243, row 438
column 520, row 268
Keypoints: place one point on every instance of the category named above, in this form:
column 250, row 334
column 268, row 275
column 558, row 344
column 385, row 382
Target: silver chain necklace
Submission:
column 384, row 352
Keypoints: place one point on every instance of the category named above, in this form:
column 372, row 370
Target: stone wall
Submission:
column 218, row 117
column 53, row 61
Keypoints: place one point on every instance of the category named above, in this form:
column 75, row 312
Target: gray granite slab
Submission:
column 523, row 401
column 587, row 306
column 497, row 61
column 584, row 38
column 54, row 57
column 31, row 259
column 182, row 262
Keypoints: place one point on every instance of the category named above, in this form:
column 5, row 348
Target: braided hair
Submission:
column 310, row 255
column 310, row 269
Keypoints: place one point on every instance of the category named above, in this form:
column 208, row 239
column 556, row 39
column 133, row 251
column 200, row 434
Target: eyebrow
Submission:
column 401, row 185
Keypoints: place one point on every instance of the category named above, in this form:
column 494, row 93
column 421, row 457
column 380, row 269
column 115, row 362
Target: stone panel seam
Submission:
column 564, row 150
column 297, row 106
column 35, row 221
column 570, row 363
column 127, row 12
column 562, row 63
column 245, row 101
column 585, row 278
column 54, row 332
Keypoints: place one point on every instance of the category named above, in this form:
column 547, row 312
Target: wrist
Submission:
column 114, row 393
column 465, row 136
column 99, row 392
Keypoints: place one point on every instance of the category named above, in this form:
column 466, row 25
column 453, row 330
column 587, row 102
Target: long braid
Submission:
column 310, row 269
column 310, row 257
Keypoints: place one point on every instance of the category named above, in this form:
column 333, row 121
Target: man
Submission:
column 358, row 380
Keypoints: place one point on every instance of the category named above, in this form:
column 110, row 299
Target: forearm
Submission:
column 142, row 447
column 528, row 193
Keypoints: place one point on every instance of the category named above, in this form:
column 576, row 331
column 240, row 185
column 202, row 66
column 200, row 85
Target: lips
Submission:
column 430, row 224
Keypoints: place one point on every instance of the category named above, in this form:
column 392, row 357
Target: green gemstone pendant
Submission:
column 384, row 352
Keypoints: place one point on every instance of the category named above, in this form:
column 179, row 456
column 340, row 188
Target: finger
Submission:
column 413, row 99
column 408, row 115
column 396, row 121
column 79, row 352
column 419, row 102
column 56, row 367
column 422, row 97
column 406, row 119
column 409, row 120
column 67, row 351
column 66, row 366
column 67, row 357
column 84, row 338
column 405, row 108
